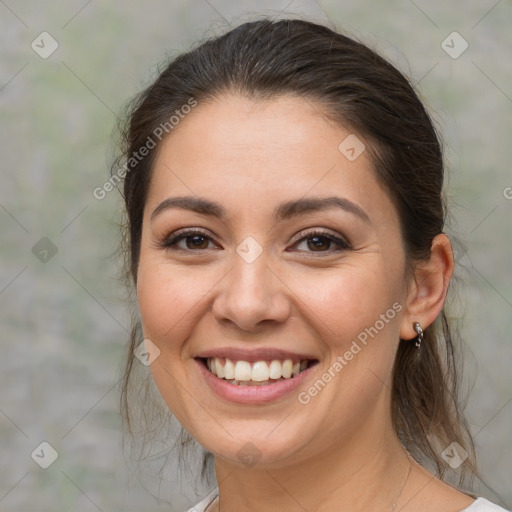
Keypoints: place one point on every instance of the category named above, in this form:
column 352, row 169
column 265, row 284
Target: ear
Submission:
column 427, row 293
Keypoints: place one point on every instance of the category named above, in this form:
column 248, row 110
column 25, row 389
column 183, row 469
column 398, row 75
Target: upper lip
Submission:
column 253, row 355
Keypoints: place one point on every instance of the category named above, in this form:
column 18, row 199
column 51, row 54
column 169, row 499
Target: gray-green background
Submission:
column 63, row 321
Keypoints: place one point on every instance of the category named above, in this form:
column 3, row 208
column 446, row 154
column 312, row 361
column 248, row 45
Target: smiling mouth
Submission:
column 257, row 373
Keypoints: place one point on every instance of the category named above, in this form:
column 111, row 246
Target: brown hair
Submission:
column 355, row 87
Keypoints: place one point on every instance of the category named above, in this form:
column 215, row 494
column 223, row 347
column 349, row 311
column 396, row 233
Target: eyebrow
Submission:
column 284, row 211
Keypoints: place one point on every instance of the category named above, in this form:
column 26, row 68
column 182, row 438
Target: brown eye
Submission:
column 196, row 242
column 193, row 241
column 317, row 243
column 322, row 242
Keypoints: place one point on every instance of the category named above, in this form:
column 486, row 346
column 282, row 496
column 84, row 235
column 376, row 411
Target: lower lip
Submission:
column 253, row 394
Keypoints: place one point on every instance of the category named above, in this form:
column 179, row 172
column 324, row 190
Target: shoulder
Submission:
column 203, row 504
column 479, row 505
column 483, row 505
column 433, row 494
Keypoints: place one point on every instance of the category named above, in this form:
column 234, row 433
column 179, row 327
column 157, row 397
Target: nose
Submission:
column 251, row 295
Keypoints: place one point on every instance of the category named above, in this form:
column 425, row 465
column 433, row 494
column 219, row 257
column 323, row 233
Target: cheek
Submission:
column 168, row 301
column 356, row 314
column 167, row 298
column 345, row 302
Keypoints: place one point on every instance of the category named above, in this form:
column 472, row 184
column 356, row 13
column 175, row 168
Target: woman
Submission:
column 285, row 239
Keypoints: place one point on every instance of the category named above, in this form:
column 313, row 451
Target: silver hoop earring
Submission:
column 419, row 332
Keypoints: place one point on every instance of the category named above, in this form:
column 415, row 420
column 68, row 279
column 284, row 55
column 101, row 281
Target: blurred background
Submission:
column 66, row 71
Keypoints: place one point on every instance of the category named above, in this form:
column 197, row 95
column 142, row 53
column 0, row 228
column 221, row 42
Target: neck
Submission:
column 365, row 472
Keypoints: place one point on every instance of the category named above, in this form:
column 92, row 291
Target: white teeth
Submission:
column 259, row 371
column 287, row 368
column 275, row 370
column 219, row 368
column 229, row 369
column 243, row 370
column 246, row 373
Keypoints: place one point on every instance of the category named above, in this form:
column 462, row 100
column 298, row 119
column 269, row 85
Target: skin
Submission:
column 340, row 448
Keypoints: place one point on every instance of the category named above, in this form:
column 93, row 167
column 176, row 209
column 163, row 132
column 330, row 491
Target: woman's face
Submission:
column 267, row 273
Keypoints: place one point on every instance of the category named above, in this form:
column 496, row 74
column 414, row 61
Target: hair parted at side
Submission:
column 353, row 86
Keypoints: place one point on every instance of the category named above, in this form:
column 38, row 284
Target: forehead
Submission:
column 253, row 154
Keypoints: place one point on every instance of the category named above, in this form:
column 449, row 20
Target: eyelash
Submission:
column 170, row 242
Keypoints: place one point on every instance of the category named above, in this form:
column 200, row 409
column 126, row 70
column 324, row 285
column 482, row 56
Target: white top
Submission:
column 479, row 505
